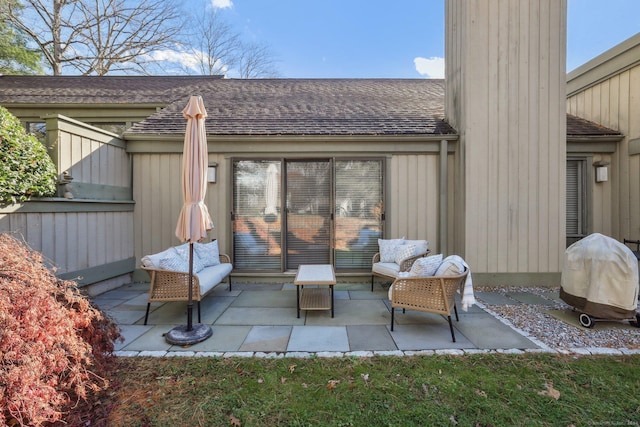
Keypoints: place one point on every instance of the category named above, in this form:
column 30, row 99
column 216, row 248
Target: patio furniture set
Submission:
column 420, row 282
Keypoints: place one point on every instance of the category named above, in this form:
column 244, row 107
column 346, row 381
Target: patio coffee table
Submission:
column 319, row 298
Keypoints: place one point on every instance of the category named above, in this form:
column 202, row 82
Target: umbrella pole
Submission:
column 186, row 335
column 190, row 303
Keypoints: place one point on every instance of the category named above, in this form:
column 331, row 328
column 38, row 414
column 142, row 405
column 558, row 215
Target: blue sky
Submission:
column 400, row 39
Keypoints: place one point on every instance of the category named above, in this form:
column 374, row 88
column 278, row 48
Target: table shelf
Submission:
column 315, row 299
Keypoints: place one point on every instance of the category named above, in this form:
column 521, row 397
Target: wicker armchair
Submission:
column 432, row 294
column 389, row 274
column 169, row 285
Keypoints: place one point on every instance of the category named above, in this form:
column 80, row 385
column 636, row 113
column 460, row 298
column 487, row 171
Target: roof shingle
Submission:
column 97, row 90
column 264, row 106
column 311, row 107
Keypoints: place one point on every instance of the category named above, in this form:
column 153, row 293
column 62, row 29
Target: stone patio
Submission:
column 261, row 319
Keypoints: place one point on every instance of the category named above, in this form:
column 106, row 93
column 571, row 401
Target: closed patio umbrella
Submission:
column 194, row 221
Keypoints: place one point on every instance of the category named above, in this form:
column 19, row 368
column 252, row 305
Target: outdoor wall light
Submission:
column 211, row 172
column 602, row 172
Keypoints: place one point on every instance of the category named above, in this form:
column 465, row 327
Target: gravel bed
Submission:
column 533, row 320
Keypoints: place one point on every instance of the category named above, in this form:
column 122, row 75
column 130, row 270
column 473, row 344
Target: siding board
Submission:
column 511, row 65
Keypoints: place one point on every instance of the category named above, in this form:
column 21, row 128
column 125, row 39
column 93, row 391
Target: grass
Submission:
column 474, row 390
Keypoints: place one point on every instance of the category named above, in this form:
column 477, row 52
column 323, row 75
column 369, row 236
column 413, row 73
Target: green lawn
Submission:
column 475, row 390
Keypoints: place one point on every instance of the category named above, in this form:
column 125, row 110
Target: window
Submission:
column 576, row 199
column 39, row 129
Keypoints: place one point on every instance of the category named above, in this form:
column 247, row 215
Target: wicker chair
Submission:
column 433, row 294
column 404, row 267
column 169, row 285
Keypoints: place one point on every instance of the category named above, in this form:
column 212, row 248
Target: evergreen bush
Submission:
column 26, row 170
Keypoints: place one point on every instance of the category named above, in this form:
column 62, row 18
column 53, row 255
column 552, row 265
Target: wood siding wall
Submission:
column 413, row 202
column 614, row 102
column 412, row 199
column 505, row 65
column 96, row 159
column 158, row 195
column 73, row 240
column 83, row 236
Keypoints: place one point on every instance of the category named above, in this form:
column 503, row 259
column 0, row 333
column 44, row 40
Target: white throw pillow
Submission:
column 153, row 261
column 208, row 253
column 403, row 252
column 388, row 249
column 422, row 246
column 451, row 266
column 174, row 263
column 426, row 266
column 182, row 251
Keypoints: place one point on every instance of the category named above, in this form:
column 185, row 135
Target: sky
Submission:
column 395, row 39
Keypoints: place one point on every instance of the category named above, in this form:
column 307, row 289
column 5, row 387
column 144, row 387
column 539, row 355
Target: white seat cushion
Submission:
column 390, row 269
column 209, row 277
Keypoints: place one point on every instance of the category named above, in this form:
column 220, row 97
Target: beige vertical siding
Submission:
column 614, row 102
column 506, row 96
column 74, row 241
column 158, row 195
column 89, row 154
column 413, row 199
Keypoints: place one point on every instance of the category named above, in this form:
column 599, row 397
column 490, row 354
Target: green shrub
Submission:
column 26, row 170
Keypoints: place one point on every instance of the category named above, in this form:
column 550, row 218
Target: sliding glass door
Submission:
column 288, row 212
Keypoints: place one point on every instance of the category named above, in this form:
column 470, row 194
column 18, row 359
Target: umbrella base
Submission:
column 180, row 336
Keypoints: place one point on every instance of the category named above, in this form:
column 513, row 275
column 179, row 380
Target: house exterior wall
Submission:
column 413, row 192
column 605, row 90
column 158, row 193
column 505, row 71
column 88, row 237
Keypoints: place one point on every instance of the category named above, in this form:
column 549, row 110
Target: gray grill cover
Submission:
column 600, row 277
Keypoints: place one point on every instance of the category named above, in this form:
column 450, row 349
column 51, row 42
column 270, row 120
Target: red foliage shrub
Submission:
column 53, row 342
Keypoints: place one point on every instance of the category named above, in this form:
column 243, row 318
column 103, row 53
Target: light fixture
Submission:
column 211, row 172
column 602, row 172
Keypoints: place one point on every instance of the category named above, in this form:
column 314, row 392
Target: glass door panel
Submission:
column 358, row 207
column 308, row 212
column 257, row 219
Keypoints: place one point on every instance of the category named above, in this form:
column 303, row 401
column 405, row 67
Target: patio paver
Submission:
column 262, row 319
column 319, row 338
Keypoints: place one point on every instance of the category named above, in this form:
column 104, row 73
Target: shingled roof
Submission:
column 311, row 107
column 98, row 90
column 579, row 127
column 265, row 106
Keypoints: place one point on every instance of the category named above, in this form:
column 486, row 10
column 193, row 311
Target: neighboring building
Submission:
column 606, row 90
column 313, row 171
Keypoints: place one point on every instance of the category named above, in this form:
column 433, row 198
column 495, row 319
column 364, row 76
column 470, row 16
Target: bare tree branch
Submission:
column 216, row 48
column 98, row 36
column 120, row 35
column 213, row 43
column 256, row 60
